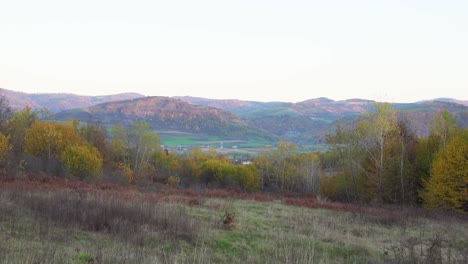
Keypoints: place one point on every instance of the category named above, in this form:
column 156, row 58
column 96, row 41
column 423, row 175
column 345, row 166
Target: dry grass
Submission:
column 58, row 221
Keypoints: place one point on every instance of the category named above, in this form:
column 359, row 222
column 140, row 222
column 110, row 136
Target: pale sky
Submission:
column 264, row 50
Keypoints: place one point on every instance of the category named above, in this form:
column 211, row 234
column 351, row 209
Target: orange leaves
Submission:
column 128, row 172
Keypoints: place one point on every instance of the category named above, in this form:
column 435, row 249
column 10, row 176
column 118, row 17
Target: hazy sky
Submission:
column 266, row 50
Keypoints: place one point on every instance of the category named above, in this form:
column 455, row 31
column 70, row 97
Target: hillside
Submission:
column 56, row 102
column 448, row 100
column 236, row 106
column 309, row 121
column 165, row 113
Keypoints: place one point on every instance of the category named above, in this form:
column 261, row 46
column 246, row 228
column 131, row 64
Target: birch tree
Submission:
column 374, row 132
column 142, row 143
column 444, row 126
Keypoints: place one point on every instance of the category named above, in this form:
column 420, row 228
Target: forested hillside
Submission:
column 164, row 113
column 309, row 122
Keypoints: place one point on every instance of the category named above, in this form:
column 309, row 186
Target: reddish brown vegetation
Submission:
column 181, row 196
column 310, row 202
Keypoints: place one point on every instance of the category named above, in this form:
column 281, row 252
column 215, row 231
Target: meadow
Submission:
column 50, row 220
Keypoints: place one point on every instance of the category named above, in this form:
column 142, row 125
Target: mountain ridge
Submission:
column 56, row 102
column 306, row 122
column 38, row 100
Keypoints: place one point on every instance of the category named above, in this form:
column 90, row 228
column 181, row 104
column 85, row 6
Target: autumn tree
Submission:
column 308, row 172
column 276, row 169
column 19, row 123
column 285, row 169
column 371, row 157
column 189, row 165
column 48, row 140
column 248, row 177
column 264, row 168
column 448, row 185
column 400, row 179
column 82, row 160
column 216, row 172
column 134, row 146
column 443, row 127
column 95, row 134
column 346, row 151
column 374, row 132
column 5, row 147
column 165, row 164
column 220, row 171
column 143, row 142
column 119, row 144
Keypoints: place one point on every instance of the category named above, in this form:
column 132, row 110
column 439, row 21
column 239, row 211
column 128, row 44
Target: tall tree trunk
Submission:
column 402, row 164
column 381, row 169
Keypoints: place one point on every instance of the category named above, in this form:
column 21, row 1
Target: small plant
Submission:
column 173, row 182
column 229, row 214
column 82, row 257
column 128, row 172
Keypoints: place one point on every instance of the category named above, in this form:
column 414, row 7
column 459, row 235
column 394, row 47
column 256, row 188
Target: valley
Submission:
column 193, row 121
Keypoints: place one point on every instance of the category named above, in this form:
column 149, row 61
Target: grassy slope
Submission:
column 262, row 232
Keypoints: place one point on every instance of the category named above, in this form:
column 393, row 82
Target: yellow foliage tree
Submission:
column 448, row 185
column 82, row 160
column 374, row 133
column 48, row 140
column 5, row 146
column 249, row 177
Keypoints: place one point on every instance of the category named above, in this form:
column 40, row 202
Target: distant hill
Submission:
column 448, row 100
column 234, row 105
column 165, row 113
column 304, row 123
column 56, row 102
column 309, row 121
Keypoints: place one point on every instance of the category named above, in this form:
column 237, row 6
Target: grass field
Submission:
column 60, row 221
column 175, row 138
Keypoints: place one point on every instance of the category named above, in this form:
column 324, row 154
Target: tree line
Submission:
column 380, row 159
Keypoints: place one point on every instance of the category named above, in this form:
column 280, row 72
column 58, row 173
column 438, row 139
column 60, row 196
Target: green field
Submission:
column 175, row 138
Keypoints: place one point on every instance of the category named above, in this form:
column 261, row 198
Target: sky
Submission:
column 262, row 50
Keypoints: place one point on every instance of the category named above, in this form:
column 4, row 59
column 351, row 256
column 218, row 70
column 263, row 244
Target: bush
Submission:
column 82, row 160
column 249, row 177
column 173, row 181
column 333, row 187
column 128, row 217
column 83, row 257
